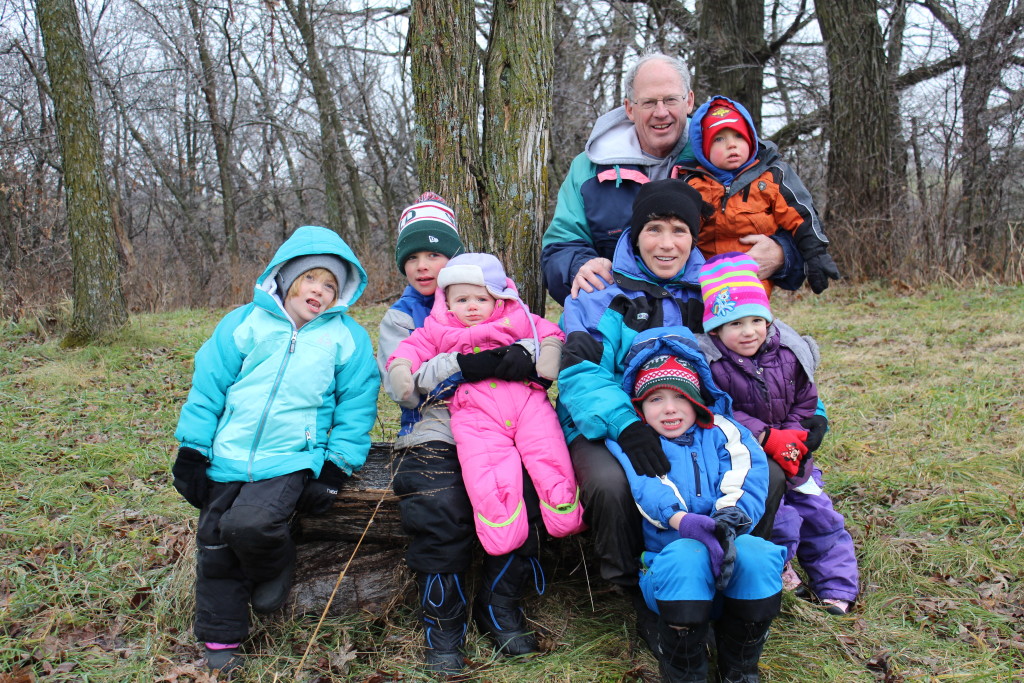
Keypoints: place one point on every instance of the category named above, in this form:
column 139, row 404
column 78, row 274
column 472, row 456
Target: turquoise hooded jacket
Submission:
column 268, row 399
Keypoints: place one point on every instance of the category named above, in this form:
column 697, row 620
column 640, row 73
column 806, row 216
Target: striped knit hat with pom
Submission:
column 427, row 225
column 731, row 290
column 671, row 372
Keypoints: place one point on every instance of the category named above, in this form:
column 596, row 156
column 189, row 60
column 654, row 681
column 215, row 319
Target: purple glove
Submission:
column 702, row 528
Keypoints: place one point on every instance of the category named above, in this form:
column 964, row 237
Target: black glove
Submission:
column 642, row 446
column 729, row 522
column 726, row 535
column 479, row 366
column 816, row 426
column 319, row 494
column 516, row 364
column 819, row 269
column 190, row 478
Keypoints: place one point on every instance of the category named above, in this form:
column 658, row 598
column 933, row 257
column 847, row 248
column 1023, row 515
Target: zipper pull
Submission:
column 291, row 347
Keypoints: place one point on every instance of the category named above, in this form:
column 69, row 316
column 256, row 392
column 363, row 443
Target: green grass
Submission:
column 924, row 390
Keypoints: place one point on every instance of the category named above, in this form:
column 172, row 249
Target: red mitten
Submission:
column 786, row 446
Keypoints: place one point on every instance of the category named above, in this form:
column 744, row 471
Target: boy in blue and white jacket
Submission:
column 283, row 398
column 700, row 562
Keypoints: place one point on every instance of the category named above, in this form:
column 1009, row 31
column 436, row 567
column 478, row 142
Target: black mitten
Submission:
column 479, row 366
column 820, row 268
column 642, row 446
column 516, row 364
column 319, row 494
column 190, row 478
column 816, row 426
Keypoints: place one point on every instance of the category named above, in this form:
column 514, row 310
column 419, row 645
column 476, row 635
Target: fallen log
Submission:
column 365, row 513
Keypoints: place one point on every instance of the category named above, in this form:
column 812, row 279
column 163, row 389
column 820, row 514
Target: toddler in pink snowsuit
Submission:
column 500, row 416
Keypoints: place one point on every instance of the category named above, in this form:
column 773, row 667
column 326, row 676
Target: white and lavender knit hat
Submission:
column 484, row 270
column 427, row 225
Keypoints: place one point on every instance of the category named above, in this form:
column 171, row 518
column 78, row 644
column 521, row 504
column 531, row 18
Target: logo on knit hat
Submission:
column 731, row 290
column 723, row 303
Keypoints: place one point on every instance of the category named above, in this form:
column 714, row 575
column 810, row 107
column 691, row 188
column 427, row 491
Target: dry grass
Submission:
column 923, row 387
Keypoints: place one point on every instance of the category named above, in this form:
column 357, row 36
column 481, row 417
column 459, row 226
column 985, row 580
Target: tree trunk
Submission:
column 99, row 305
column 863, row 175
column 334, row 147
column 445, row 85
column 727, row 61
column 221, row 142
column 517, row 105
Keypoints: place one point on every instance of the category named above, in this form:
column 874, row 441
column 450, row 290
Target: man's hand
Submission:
column 594, row 274
column 642, row 446
column 766, row 252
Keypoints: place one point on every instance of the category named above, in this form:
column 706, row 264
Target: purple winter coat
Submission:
column 771, row 389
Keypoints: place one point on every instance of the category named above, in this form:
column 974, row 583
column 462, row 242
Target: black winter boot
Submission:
column 269, row 596
column 684, row 653
column 740, row 644
column 496, row 609
column 646, row 620
column 444, row 621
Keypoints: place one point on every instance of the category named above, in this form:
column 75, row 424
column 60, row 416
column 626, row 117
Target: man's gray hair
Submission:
column 676, row 63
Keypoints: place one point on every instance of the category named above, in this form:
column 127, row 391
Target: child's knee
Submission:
column 253, row 528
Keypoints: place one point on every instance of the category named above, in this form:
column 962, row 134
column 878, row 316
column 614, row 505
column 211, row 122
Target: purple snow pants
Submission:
column 810, row 528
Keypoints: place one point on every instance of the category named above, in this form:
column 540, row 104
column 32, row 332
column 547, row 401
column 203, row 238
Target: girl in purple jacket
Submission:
column 767, row 369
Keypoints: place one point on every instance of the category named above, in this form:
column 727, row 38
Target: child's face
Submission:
column 314, row 295
column 421, row 270
column 744, row 336
column 664, row 245
column 471, row 304
column 729, row 150
column 668, row 412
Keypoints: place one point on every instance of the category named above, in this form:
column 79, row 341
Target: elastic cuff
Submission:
column 764, row 609
column 683, row 612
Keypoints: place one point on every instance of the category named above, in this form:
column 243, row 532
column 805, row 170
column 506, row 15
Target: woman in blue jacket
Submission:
column 283, row 398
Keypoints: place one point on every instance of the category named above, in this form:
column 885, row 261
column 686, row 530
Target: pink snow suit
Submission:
column 499, row 426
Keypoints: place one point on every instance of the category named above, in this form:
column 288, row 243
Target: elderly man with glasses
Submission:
column 642, row 140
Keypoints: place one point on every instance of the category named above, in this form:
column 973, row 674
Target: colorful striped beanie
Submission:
column 731, row 290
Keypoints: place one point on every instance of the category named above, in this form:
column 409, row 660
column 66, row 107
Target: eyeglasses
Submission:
column 647, row 104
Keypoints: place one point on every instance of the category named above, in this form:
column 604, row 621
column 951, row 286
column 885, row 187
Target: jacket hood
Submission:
column 803, row 346
column 627, row 262
column 696, row 134
column 311, row 239
column 613, row 141
column 675, row 341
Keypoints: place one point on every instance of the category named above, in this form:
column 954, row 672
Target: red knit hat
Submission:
column 671, row 372
column 721, row 114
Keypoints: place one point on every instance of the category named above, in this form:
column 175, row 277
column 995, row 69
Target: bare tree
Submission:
column 221, row 136
column 517, row 117
column 864, row 178
column 997, row 43
column 99, row 305
column 335, row 150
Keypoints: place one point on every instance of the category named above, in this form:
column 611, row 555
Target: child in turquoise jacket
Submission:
column 283, row 398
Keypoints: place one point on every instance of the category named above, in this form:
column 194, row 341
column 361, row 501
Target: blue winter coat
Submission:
column 600, row 327
column 711, row 469
column 268, row 399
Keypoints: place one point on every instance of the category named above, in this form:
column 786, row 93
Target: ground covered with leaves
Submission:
column 925, row 390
